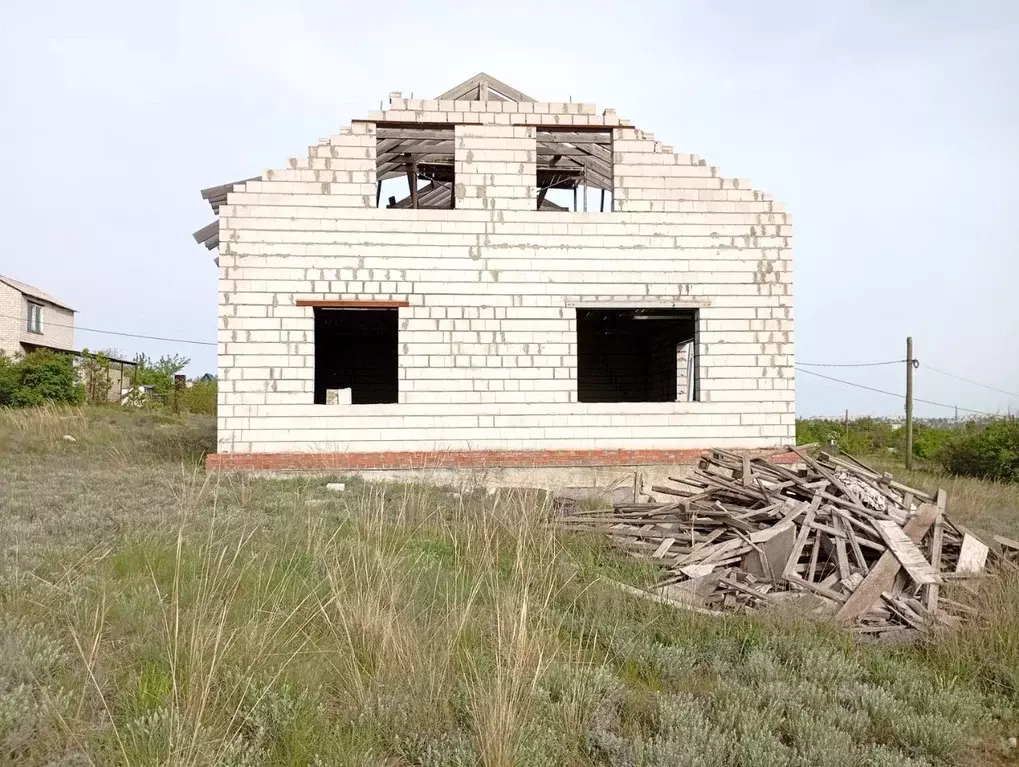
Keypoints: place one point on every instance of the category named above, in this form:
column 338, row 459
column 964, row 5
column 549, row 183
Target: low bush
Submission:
column 988, row 452
column 39, row 378
column 200, row 397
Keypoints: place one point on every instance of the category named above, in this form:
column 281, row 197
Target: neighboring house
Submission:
column 31, row 319
column 552, row 287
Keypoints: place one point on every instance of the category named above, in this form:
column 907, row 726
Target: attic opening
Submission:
column 356, row 356
column 415, row 167
column 636, row 355
column 574, row 170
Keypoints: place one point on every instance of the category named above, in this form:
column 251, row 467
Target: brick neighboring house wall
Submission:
column 487, row 344
column 57, row 322
column 11, row 309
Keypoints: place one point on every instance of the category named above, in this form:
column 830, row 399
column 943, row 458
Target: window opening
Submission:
column 574, row 170
column 356, row 356
column 636, row 355
column 415, row 167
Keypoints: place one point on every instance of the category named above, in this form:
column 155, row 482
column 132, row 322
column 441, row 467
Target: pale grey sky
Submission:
column 890, row 130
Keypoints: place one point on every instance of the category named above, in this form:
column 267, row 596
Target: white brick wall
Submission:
column 488, row 344
column 58, row 323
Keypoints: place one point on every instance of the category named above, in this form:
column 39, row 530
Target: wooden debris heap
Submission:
column 835, row 539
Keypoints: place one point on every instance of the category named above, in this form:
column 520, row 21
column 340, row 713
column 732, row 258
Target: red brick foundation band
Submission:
column 465, row 459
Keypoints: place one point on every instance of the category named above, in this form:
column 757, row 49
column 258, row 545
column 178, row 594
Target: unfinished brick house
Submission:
column 549, row 286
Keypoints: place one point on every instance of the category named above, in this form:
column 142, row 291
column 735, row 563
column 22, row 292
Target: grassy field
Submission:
column 153, row 615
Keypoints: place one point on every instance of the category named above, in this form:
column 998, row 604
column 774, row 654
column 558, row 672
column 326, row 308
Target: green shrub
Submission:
column 864, row 435
column 988, row 452
column 928, row 440
column 38, row 378
column 200, row 397
column 870, row 435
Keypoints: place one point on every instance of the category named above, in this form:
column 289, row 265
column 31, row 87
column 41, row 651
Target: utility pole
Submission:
column 847, row 426
column 909, row 402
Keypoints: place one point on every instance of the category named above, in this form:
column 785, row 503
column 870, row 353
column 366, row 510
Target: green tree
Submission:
column 158, row 374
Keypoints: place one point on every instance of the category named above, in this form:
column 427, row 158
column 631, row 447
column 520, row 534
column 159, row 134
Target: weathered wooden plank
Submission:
column 899, row 608
column 662, row 600
column 801, row 538
column 882, row 574
column 1006, row 543
column 907, row 552
column 972, row 556
column 770, row 559
column 662, row 550
column 816, row 588
column 930, row 594
column 841, row 557
column 814, row 551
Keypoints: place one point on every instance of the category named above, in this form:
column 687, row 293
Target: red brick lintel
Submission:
column 466, row 459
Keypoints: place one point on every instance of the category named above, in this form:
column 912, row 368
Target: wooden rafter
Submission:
column 483, row 87
column 412, row 178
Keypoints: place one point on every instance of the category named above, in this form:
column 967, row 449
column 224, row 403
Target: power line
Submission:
column 150, row 337
column 893, row 394
column 897, row 362
column 118, row 332
column 967, row 380
column 850, row 364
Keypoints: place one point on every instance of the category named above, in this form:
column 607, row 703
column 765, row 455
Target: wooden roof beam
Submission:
column 459, row 92
column 440, row 134
column 572, row 137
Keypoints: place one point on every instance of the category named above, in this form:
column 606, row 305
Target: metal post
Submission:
column 909, row 402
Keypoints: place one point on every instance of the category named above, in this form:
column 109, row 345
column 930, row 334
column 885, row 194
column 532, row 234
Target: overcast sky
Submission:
column 890, row 130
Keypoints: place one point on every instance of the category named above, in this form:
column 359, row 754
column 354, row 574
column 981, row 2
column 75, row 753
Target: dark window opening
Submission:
column 415, row 167
column 574, row 170
column 356, row 350
column 636, row 355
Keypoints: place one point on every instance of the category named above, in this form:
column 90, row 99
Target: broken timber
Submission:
column 743, row 533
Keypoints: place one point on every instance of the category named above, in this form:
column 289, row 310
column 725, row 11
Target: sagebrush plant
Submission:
column 153, row 614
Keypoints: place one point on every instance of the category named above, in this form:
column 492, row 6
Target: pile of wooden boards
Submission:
column 832, row 539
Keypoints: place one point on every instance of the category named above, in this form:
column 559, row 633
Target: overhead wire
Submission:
column 850, row 364
column 970, row 381
column 49, row 323
column 894, row 394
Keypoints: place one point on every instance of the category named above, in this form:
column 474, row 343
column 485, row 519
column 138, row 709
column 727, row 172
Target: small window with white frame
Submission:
column 34, row 317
